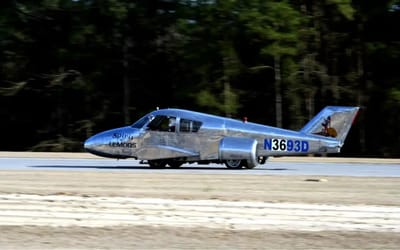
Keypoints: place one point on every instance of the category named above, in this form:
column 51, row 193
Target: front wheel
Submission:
column 175, row 164
column 236, row 164
column 157, row 163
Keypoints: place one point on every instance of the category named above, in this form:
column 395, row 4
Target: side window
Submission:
column 189, row 125
column 196, row 126
column 163, row 123
column 184, row 125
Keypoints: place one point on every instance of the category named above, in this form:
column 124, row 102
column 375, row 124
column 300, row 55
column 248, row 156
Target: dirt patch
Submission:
column 144, row 237
column 80, row 190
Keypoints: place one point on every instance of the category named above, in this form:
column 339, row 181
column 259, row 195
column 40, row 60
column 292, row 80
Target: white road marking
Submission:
column 67, row 210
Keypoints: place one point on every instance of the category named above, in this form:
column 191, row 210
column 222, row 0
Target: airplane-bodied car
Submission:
column 175, row 136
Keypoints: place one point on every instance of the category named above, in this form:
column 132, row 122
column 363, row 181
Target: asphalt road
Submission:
column 277, row 166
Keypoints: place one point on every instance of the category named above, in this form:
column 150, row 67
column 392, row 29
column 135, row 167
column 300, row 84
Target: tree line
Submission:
column 71, row 68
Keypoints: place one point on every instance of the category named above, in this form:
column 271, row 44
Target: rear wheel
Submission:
column 249, row 165
column 234, row 163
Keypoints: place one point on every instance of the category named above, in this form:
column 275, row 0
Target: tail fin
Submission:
column 332, row 121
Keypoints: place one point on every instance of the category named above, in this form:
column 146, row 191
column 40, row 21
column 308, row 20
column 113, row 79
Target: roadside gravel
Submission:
column 114, row 210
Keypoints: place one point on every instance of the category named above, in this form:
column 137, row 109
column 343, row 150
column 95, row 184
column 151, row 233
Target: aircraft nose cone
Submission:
column 97, row 145
column 91, row 144
column 115, row 143
column 88, row 144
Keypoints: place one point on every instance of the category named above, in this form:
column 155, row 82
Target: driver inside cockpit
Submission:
column 172, row 124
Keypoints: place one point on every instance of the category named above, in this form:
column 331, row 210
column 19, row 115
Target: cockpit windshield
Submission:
column 142, row 121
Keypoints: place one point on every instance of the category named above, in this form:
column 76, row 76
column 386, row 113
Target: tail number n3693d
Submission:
column 286, row 145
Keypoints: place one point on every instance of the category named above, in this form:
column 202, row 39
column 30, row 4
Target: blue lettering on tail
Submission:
column 304, row 146
column 268, row 144
column 286, row 145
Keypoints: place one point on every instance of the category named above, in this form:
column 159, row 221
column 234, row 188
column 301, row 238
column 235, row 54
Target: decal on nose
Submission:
column 116, row 143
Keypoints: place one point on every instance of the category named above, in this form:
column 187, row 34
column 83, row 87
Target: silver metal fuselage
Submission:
column 217, row 138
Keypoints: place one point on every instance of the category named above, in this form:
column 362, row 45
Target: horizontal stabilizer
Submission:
column 332, row 121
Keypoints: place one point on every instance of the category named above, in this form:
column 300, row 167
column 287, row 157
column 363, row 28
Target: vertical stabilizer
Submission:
column 332, row 121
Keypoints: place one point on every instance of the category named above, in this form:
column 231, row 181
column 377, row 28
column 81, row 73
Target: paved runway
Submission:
column 288, row 166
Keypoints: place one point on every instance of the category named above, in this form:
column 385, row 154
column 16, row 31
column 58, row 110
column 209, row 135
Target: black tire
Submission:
column 175, row 164
column 262, row 159
column 157, row 163
column 235, row 164
column 249, row 166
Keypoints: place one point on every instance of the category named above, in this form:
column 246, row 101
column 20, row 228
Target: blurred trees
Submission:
column 70, row 68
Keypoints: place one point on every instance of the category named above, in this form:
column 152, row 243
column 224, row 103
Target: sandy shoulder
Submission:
column 117, row 210
column 268, row 188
